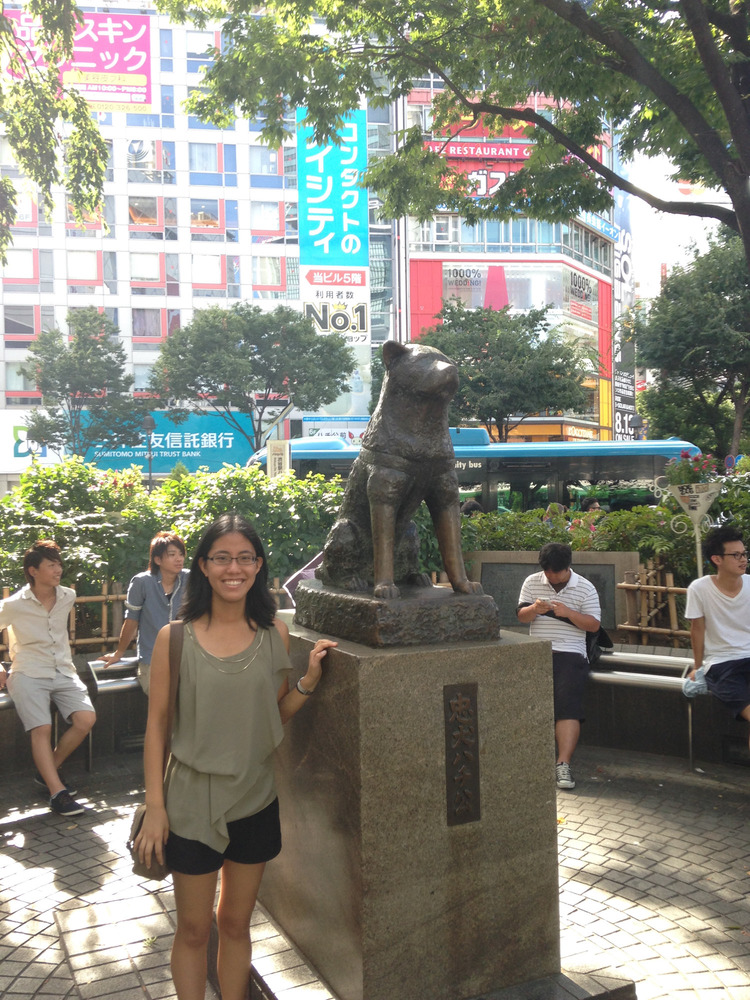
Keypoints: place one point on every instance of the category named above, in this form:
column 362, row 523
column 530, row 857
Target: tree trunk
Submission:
column 740, row 409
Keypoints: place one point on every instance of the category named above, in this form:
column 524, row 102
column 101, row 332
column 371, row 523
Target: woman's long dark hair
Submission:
column 260, row 606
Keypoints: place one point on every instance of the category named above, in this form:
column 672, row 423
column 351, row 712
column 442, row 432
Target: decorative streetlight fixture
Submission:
column 637, row 423
column 149, row 426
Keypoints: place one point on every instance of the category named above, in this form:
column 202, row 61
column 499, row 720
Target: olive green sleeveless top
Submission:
column 226, row 728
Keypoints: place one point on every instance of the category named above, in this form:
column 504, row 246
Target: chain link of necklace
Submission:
column 210, row 659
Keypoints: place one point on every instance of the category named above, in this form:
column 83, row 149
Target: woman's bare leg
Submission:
column 239, row 890
column 194, row 897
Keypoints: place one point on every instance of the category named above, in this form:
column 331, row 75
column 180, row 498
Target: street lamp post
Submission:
column 149, row 425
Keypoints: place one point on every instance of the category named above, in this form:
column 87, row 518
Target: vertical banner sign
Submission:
column 334, row 230
column 278, row 458
column 111, row 64
column 623, row 374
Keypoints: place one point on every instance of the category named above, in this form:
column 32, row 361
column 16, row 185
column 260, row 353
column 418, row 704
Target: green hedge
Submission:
column 104, row 521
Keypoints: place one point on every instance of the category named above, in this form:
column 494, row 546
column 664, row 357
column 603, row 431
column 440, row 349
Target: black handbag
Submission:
column 596, row 643
column 158, row 871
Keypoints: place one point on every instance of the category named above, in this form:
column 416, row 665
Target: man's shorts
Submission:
column 569, row 674
column 253, row 840
column 730, row 683
column 32, row 695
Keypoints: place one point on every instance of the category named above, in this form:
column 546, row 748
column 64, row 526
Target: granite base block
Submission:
column 383, row 897
column 421, row 616
column 562, row 987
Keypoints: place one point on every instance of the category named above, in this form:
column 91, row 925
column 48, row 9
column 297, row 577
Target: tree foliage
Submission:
column 668, row 77
column 241, row 360
column 87, row 401
column 48, row 126
column 673, row 410
column 508, row 366
column 696, row 336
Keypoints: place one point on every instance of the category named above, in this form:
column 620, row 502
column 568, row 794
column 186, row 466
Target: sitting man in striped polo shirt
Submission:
column 562, row 606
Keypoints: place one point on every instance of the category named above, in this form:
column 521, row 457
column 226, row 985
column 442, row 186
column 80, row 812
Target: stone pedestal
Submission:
column 420, row 616
column 386, row 900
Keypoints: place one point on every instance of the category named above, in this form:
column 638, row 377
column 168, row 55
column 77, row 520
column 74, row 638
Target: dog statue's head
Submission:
column 416, row 368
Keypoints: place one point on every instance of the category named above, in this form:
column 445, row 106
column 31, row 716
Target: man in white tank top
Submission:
column 718, row 607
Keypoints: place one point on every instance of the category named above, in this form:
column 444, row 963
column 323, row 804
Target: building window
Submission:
column 16, row 381
column 83, row 265
column 207, row 269
column 198, row 45
column 204, row 214
column 143, row 211
column 19, row 266
column 145, row 267
column 151, row 161
column 267, row 271
column 141, row 377
column 264, row 160
column 172, row 266
column 19, row 322
column 165, row 49
column 147, row 323
column 290, row 166
column 265, row 216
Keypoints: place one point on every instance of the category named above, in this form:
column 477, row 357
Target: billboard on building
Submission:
column 334, row 247
column 111, row 64
column 203, row 440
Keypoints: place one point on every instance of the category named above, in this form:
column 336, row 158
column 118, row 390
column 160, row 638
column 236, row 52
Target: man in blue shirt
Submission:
column 154, row 599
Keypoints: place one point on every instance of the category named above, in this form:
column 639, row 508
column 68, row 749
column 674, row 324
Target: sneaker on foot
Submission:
column 563, row 776
column 65, row 805
column 39, row 780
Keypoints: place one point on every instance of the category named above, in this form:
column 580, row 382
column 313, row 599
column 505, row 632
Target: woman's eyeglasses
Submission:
column 224, row 559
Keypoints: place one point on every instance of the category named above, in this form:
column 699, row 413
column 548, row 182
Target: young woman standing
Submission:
column 218, row 809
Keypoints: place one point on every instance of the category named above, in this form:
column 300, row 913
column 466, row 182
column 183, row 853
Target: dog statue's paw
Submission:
column 468, row 587
column 386, row 591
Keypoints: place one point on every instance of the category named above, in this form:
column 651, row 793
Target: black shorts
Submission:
column 569, row 674
column 253, row 840
column 730, row 683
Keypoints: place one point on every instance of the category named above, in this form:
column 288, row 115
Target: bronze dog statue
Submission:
column 406, row 457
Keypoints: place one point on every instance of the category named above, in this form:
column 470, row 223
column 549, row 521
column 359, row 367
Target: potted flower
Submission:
column 692, row 481
column 690, row 469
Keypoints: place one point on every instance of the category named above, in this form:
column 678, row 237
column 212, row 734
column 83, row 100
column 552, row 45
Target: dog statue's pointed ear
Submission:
column 392, row 350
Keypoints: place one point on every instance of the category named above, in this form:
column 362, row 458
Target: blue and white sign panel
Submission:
column 203, row 440
column 333, row 209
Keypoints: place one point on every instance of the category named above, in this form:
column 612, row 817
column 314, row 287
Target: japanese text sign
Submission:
column 111, row 65
column 333, row 209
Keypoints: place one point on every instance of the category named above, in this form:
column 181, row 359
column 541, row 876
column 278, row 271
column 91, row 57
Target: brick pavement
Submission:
column 653, row 866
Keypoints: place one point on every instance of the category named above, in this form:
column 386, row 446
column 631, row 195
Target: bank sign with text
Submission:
column 203, row 440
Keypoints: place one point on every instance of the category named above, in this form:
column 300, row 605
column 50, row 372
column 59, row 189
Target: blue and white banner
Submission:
column 333, row 209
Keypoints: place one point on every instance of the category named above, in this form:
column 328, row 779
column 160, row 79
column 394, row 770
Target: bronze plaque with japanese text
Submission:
column 461, row 753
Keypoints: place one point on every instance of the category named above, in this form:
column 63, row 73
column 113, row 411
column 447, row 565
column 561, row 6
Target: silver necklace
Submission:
column 228, row 659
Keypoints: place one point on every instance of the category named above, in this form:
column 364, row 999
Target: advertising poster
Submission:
column 111, row 65
column 623, row 380
column 334, row 247
column 203, row 440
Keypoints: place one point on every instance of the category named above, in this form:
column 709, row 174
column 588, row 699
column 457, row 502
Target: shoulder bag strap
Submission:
column 176, row 635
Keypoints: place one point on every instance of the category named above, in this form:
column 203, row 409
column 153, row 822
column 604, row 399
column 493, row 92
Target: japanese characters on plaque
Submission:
column 461, row 753
column 334, row 230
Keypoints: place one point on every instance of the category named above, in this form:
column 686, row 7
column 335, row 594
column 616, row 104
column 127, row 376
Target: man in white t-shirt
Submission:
column 718, row 607
column 559, row 605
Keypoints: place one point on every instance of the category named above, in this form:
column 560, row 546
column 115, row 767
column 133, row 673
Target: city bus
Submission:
column 518, row 474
